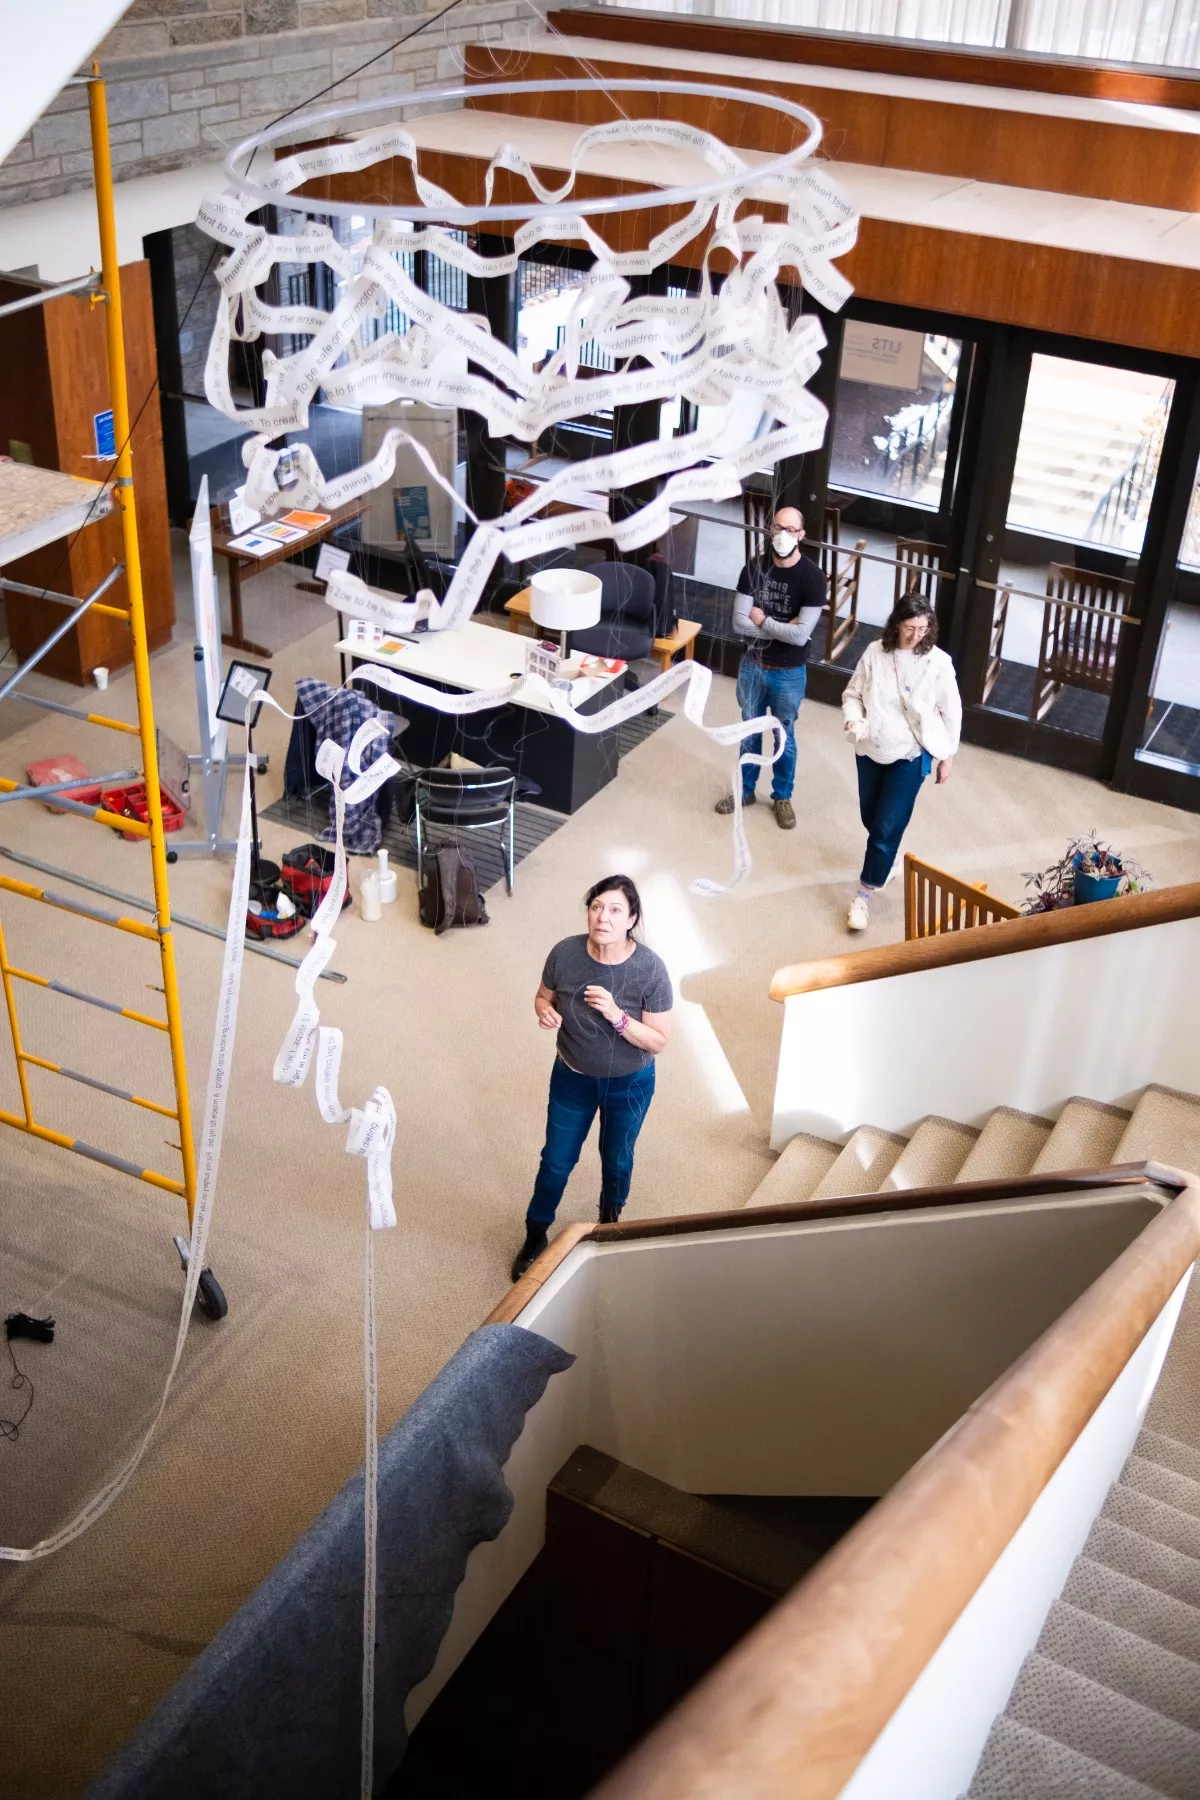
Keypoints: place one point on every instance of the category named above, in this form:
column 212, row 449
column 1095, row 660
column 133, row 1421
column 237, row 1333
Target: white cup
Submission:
column 368, row 897
column 100, row 677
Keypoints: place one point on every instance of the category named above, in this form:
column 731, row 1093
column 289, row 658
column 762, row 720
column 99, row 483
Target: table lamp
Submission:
column 564, row 600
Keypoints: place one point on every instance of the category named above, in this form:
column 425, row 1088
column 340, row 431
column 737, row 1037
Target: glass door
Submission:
column 1060, row 609
column 1170, row 736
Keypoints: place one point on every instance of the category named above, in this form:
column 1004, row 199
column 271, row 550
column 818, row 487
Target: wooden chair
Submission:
column 918, row 566
column 1081, row 629
column 842, row 618
column 758, row 509
column 991, row 674
column 935, row 902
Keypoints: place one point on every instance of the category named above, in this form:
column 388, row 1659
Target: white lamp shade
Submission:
column 565, row 599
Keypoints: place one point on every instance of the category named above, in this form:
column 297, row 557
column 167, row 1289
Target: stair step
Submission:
column 933, row 1155
column 1153, row 1519
column 1168, row 1485
column 861, row 1164
column 1170, row 1571
column 1091, row 1718
column 1019, row 1763
column 801, row 1164
column 1085, row 1135
column 1009, row 1144
column 1164, row 1127
column 1150, row 1613
column 1170, row 1452
column 1119, row 1659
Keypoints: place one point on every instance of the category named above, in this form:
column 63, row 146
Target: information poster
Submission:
column 882, row 356
column 207, row 603
column 410, row 494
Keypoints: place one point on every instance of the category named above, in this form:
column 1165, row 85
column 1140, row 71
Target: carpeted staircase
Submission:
column 1164, row 1126
column 1107, row 1704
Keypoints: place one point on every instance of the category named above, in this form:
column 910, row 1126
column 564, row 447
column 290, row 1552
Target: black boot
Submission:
column 531, row 1249
column 610, row 1215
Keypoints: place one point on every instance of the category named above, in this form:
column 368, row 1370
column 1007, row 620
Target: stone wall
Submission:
column 189, row 78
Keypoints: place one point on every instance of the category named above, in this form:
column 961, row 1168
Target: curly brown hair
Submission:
column 911, row 606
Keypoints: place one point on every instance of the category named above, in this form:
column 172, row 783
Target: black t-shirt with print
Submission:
column 782, row 594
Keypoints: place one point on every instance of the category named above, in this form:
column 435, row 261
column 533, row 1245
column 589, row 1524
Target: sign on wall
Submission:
column 882, row 355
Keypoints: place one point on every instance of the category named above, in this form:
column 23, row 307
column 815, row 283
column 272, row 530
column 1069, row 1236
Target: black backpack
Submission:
column 450, row 892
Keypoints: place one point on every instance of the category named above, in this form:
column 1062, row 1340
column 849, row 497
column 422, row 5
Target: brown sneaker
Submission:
column 725, row 806
column 785, row 816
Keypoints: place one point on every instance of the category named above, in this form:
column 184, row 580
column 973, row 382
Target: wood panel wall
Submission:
column 827, row 49
column 56, row 380
column 1112, row 299
column 1143, row 166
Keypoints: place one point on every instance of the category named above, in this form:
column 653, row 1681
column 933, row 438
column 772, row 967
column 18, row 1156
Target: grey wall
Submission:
column 187, row 78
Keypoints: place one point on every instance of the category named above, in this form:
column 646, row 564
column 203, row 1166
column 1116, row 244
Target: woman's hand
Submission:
column 602, row 1001
column 943, row 770
column 543, row 1006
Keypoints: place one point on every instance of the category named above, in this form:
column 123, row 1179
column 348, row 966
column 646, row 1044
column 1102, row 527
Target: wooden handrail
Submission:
column 792, row 1711
column 1130, row 912
column 935, row 901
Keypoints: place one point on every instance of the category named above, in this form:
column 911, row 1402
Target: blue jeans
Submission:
column 622, row 1102
column 887, row 793
column 779, row 691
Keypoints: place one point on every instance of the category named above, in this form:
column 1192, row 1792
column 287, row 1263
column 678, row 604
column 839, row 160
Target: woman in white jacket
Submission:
column 903, row 710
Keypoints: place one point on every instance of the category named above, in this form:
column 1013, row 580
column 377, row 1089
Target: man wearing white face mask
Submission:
column 779, row 599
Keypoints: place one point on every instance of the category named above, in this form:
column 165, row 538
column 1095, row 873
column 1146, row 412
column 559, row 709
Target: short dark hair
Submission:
column 618, row 884
column 912, row 605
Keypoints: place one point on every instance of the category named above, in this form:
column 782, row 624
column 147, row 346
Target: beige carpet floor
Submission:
column 265, row 1421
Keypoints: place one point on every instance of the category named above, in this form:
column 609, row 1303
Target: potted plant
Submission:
column 1088, row 870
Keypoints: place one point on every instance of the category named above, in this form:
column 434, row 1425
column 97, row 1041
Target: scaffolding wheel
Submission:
column 210, row 1295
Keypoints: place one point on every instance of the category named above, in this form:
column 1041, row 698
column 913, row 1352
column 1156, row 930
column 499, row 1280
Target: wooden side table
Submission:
column 242, row 568
column 666, row 649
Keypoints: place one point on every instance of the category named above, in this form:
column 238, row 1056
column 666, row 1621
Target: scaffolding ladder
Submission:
column 210, row 1298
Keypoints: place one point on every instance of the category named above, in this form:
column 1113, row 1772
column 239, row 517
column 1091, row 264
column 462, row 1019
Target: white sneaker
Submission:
column 859, row 916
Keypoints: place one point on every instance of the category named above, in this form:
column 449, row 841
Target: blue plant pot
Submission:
column 1094, row 887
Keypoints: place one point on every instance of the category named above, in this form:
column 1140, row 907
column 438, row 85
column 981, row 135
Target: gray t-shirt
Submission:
column 587, row 1042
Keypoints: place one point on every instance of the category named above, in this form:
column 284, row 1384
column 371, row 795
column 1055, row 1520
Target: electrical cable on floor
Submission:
column 41, row 1331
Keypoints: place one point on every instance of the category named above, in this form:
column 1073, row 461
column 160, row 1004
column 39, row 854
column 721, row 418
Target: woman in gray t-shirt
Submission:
column 609, row 999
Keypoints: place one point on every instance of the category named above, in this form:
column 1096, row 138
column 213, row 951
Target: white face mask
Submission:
column 783, row 543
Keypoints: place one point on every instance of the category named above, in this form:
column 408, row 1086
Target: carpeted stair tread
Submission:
column 1009, row 1144
column 1019, row 1763
column 1167, row 1485
column 1170, row 1571
column 1168, row 1452
column 802, row 1163
column 1119, row 1659
column 933, row 1155
column 861, row 1164
column 1085, row 1135
column 1160, row 1618
column 1165, row 1128
column 1173, row 1416
column 1089, row 1717
column 1154, row 1519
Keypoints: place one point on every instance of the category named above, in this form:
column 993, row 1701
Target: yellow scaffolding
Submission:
column 160, row 931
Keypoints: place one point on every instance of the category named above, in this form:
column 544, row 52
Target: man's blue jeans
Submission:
column 780, row 692
column 622, row 1102
column 887, row 793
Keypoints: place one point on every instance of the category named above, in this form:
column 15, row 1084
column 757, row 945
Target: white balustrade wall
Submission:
column 1103, row 1017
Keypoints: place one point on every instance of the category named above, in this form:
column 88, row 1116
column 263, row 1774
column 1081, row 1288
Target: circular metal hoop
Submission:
column 238, row 161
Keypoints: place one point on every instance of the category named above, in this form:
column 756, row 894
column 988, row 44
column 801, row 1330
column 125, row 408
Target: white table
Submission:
column 568, row 766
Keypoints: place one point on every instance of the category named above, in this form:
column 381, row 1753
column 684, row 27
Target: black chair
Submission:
column 467, row 800
column 626, row 627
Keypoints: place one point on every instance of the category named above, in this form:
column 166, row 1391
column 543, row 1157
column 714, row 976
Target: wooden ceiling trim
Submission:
column 930, row 62
column 1133, row 164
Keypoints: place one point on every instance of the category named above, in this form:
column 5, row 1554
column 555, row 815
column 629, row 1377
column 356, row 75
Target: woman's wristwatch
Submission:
column 621, row 1023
